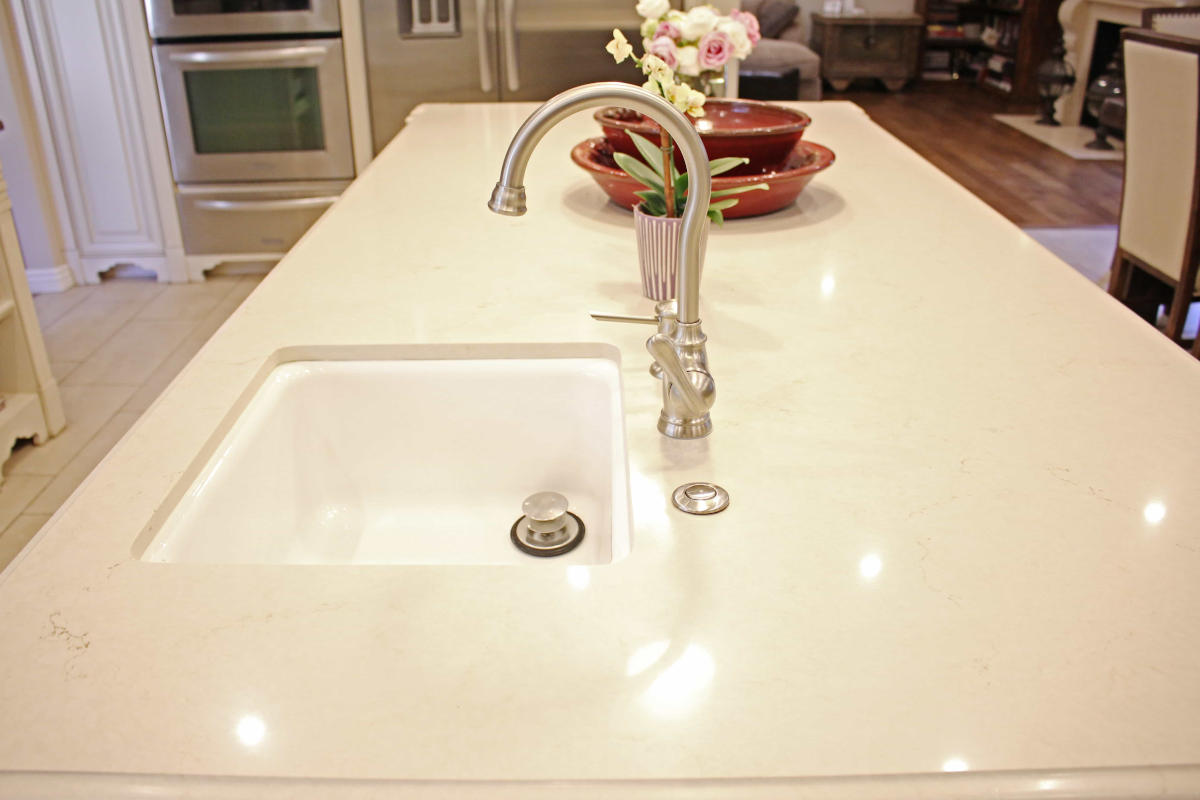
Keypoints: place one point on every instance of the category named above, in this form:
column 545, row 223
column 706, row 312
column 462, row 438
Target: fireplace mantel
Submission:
column 1079, row 18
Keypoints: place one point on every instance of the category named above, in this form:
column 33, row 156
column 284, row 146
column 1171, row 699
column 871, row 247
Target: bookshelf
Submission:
column 996, row 44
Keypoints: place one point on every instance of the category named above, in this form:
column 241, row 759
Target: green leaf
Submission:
column 721, row 205
column 681, row 185
column 739, row 190
column 653, row 203
column 638, row 171
column 719, row 165
column 716, row 216
column 651, row 154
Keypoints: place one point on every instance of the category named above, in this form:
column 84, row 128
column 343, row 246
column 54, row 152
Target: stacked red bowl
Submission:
column 768, row 134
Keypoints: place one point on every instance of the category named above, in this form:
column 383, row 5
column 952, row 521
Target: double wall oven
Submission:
column 254, row 99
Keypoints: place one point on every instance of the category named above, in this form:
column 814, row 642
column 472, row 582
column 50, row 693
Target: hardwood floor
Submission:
column 1030, row 183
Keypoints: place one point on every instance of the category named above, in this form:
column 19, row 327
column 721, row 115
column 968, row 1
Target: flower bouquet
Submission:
column 698, row 43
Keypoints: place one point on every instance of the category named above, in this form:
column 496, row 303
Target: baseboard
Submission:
column 47, row 280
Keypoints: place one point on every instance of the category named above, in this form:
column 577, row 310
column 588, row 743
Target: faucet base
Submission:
column 692, row 428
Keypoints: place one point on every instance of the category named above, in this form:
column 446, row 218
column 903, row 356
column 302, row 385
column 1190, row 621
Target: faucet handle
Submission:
column 624, row 318
column 664, row 316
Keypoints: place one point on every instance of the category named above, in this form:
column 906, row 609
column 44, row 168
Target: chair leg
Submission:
column 1118, row 279
column 1179, row 311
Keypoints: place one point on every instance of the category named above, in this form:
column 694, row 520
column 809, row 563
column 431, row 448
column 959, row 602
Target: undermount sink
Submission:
column 405, row 455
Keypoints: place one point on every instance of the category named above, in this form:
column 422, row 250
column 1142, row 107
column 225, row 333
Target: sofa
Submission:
column 783, row 45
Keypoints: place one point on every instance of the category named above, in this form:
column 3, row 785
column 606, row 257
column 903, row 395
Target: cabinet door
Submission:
column 86, row 63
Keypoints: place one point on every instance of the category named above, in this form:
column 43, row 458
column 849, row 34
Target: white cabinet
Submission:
column 95, row 97
column 31, row 403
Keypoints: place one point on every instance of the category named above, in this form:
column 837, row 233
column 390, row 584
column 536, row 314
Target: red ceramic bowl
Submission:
column 763, row 132
column 786, row 181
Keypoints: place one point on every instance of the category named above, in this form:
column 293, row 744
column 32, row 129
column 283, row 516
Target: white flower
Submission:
column 653, row 9
column 687, row 100
column 620, row 47
column 688, row 61
column 699, row 21
column 658, row 69
column 648, row 28
column 738, row 36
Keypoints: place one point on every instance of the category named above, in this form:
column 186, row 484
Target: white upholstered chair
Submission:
column 1173, row 20
column 1158, row 228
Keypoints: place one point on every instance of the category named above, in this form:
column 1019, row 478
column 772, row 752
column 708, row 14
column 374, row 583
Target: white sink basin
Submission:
column 419, row 458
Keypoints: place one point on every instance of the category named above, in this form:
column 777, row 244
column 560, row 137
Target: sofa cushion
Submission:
column 777, row 55
column 774, row 16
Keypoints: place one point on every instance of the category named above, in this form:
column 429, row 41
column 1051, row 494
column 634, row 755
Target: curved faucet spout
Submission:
column 509, row 195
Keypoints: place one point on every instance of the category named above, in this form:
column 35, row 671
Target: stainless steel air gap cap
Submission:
column 700, row 497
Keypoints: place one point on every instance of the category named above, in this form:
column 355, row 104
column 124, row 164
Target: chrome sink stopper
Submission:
column 547, row 528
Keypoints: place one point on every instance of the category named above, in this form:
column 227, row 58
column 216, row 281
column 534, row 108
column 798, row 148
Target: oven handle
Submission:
column 485, row 62
column 249, row 56
column 508, row 22
column 289, row 204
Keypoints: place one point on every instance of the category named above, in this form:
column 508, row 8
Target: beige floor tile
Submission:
column 132, row 354
column 88, row 326
column 188, row 301
column 131, row 289
column 87, row 408
column 16, row 493
column 61, row 369
column 52, row 307
column 18, row 534
column 178, row 359
column 65, row 482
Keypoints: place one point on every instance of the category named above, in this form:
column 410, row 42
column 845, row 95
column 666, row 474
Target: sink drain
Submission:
column 547, row 528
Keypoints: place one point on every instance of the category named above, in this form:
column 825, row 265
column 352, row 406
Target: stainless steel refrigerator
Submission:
column 485, row 50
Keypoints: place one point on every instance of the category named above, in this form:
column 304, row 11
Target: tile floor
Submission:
column 113, row 348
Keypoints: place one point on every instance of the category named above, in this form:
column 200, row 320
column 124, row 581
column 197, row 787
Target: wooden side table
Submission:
column 868, row 46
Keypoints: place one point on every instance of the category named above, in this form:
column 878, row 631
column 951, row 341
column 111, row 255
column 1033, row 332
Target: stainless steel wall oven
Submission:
column 253, row 96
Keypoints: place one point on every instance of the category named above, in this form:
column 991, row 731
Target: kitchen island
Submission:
column 960, row 558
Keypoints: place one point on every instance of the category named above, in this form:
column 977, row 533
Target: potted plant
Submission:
column 656, row 218
column 657, row 231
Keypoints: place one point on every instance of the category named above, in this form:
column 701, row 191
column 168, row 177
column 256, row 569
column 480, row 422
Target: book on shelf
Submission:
column 944, row 31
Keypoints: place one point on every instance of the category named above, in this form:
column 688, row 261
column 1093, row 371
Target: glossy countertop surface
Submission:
column 961, row 554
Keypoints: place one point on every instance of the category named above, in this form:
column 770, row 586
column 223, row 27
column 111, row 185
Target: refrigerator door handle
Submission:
column 508, row 23
column 483, row 34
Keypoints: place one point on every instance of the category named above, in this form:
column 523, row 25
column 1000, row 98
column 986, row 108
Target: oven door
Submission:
column 181, row 18
column 250, row 111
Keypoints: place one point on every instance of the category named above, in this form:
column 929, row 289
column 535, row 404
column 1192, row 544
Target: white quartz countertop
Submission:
column 943, row 572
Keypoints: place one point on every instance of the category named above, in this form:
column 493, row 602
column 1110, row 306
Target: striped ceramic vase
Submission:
column 658, row 252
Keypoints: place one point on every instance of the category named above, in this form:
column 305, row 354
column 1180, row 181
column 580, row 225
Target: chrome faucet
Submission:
column 678, row 347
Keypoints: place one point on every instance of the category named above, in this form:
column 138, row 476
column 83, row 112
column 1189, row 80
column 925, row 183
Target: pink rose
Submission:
column 750, row 22
column 715, row 50
column 664, row 48
column 668, row 29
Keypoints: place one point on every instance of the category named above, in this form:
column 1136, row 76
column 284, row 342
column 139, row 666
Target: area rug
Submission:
column 1067, row 139
column 1089, row 250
